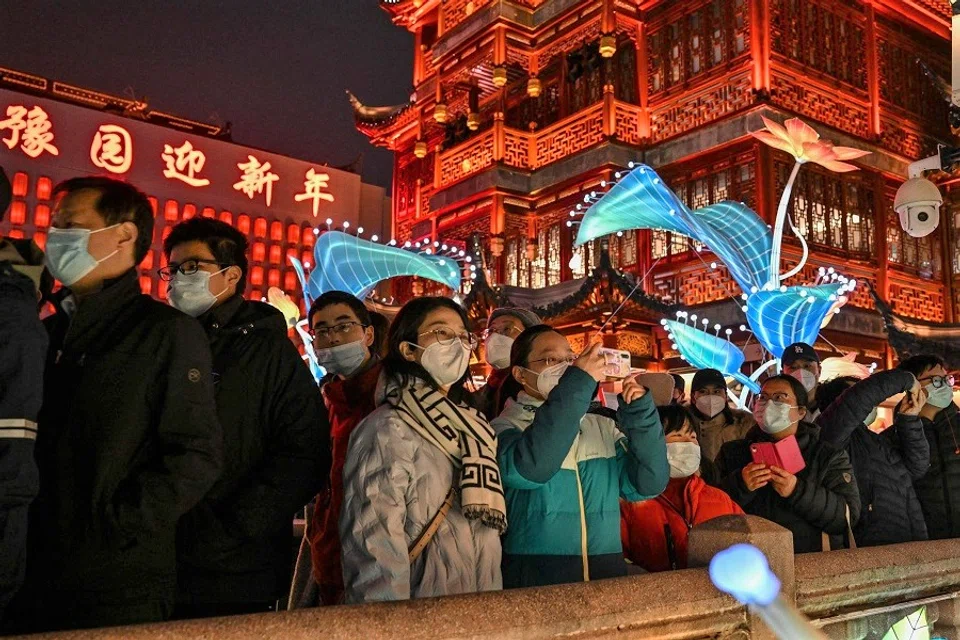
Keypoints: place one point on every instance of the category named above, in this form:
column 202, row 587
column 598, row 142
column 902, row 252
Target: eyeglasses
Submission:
column 509, row 331
column 939, row 381
column 551, row 361
column 447, row 337
column 187, row 268
column 343, row 328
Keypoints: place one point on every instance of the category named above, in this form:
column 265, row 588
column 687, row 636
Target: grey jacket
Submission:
column 394, row 482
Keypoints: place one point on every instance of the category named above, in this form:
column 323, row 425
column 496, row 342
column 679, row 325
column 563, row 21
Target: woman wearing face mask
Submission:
column 415, row 521
column 886, row 464
column 566, row 461
column 814, row 501
column 655, row 531
column 503, row 327
column 719, row 423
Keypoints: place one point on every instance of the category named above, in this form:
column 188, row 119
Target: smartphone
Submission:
column 616, row 363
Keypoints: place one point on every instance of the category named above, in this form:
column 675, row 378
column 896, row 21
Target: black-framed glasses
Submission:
column 552, row 361
column 938, row 381
column 187, row 268
column 446, row 337
column 325, row 333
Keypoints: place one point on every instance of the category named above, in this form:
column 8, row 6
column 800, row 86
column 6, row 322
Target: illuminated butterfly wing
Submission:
column 352, row 264
column 739, row 237
column 302, row 277
column 639, row 201
column 705, row 351
column 911, row 627
column 780, row 318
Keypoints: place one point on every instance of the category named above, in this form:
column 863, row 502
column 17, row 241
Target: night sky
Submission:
column 277, row 69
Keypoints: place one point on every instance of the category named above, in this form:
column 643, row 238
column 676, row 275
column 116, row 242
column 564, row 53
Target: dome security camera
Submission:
column 918, row 204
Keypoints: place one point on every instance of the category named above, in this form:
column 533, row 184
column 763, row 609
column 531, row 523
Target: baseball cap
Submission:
column 798, row 351
column 527, row 318
column 705, row 377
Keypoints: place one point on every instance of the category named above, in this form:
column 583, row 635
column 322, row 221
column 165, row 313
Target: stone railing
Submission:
column 852, row 594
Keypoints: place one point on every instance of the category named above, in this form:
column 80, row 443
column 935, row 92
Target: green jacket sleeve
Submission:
column 642, row 453
column 530, row 458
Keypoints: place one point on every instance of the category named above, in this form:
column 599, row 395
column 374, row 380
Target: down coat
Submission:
column 825, row 487
column 885, row 464
column 939, row 489
column 565, row 464
column 394, row 482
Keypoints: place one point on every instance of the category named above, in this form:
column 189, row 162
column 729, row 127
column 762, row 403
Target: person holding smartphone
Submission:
column 817, row 504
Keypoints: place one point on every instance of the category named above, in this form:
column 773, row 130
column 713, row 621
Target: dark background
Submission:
column 276, row 69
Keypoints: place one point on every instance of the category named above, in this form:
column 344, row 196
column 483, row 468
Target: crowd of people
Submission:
column 152, row 455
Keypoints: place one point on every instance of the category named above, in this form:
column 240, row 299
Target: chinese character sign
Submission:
column 255, row 178
column 313, row 189
column 184, row 163
column 30, row 129
column 112, row 149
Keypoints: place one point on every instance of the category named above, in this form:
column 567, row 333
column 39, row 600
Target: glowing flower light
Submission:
column 781, row 318
column 705, row 351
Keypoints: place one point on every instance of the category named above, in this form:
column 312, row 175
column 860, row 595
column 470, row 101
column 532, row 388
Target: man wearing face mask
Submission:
column 719, row 423
column 939, row 489
column 343, row 335
column 801, row 361
column 128, row 438
column 818, row 503
column 234, row 546
column 503, row 327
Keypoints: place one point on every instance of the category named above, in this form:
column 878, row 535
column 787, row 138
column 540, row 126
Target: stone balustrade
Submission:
column 851, row 594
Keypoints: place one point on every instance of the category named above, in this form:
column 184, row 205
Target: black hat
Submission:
column 798, row 351
column 703, row 377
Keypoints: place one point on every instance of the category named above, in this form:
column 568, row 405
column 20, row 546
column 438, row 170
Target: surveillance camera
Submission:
column 918, row 205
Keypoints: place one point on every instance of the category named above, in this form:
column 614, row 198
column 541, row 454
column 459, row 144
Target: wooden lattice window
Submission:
column 553, row 255
column 512, row 267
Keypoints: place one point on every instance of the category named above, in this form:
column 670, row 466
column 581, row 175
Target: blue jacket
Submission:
column 565, row 464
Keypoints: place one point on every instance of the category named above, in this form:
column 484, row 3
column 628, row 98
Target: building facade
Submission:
column 51, row 131
column 523, row 107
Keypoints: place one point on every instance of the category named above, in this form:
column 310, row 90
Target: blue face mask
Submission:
column 67, row 256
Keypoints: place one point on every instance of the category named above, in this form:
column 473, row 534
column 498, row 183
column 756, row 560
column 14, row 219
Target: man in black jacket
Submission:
column 23, row 348
column 939, row 489
column 128, row 438
column 235, row 546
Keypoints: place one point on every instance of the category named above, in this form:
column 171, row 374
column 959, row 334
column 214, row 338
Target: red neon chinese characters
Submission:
column 255, row 177
column 313, row 187
column 184, row 163
column 112, row 149
column 30, row 129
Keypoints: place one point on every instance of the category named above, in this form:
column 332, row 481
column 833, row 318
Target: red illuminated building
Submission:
column 522, row 107
column 50, row 131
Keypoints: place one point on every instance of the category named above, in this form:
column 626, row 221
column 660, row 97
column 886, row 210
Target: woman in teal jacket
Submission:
column 566, row 461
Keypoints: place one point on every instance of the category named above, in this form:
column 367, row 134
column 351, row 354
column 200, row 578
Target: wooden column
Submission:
column 643, row 80
column 760, row 44
column 946, row 257
column 873, row 71
column 418, row 57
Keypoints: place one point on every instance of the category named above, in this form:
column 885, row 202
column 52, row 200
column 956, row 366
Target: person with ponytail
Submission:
column 819, row 503
column 566, row 461
column 719, row 423
column 655, row 531
column 423, row 508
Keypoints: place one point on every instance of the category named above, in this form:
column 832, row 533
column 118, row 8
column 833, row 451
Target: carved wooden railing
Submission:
column 848, row 594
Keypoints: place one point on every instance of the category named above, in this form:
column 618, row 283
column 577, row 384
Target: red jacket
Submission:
column 654, row 532
column 348, row 403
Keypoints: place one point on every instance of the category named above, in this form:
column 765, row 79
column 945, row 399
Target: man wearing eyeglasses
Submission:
column 234, row 547
column 939, row 490
column 343, row 335
column 503, row 327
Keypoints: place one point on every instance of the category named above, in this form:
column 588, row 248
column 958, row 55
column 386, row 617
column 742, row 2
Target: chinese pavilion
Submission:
column 523, row 107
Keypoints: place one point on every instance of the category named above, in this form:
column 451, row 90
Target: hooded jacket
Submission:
column 394, row 483
column 565, row 464
column 234, row 546
column 885, row 464
column 655, row 531
column 348, row 402
column 719, row 430
column 128, row 441
column 939, row 489
column 826, row 486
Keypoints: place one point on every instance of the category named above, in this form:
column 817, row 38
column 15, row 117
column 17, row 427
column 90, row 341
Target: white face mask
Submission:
column 870, row 419
column 446, row 363
column 191, row 293
column 497, row 350
column 66, row 254
column 773, row 417
column 939, row 397
column 806, row 378
column 684, row 458
column 343, row 359
column 549, row 378
column 710, row 406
